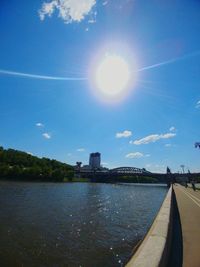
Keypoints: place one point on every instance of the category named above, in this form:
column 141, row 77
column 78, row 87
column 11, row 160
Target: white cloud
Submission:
column 148, row 165
column 134, row 155
column 198, row 104
column 172, row 129
column 152, row 138
column 124, row 134
column 47, row 9
column 105, row 3
column 80, row 149
column 158, row 168
column 68, row 10
column 147, row 155
column 29, row 153
column 168, row 145
column 39, row 124
column 46, row 135
column 91, row 21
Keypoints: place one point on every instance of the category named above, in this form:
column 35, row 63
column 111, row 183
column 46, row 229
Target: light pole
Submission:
column 182, row 167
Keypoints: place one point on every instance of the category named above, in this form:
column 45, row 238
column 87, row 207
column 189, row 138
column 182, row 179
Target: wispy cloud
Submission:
column 46, row 135
column 81, row 149
column 172, row 129
column 198, row 104
column 152, row 138
column 91, row 21
column 68, row 10
column 123, row 134
column 39, row 124
column 134, row 155
column 42, row 77
column 148, row 165
column 168, row 145
column 158, row 168
column 173, row 60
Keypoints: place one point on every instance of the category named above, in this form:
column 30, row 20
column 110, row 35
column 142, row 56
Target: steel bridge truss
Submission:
column 128, row 170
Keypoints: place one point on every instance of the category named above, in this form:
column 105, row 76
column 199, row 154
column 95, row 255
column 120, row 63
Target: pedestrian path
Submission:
column 188, row 202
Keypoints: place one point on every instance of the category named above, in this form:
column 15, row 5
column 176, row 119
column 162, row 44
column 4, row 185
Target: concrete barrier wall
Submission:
column 153, row 251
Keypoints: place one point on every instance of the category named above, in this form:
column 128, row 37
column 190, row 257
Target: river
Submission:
column 74, row 224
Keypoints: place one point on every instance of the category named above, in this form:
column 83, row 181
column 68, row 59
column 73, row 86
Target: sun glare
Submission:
column 112, row 75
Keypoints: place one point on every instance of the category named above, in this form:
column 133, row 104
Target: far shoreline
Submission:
column 78, row 180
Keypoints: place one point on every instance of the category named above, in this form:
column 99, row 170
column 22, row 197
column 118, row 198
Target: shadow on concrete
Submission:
column 176, row 251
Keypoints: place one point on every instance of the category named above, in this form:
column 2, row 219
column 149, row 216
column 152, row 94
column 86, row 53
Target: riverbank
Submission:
column 112, row 180
column 155, row 248
column 18, row 165
column 174, row 237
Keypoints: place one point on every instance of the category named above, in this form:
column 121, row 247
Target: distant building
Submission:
column 86, row 168
column 95, row 160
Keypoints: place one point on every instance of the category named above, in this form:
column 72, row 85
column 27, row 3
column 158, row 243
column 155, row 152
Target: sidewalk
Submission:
column 188, row 202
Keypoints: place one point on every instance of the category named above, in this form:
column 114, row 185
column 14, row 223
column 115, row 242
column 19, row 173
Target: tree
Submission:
column 16, row 164
column 197, row 145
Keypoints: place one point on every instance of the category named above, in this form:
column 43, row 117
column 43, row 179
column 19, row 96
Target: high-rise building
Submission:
column 95, row 160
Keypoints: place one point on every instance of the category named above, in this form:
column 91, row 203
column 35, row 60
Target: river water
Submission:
column 74, row 224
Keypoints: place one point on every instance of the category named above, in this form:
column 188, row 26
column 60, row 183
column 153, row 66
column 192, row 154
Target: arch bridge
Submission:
column 129, row 170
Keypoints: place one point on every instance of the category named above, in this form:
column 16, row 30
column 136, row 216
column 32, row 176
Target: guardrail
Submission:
column 154, row 249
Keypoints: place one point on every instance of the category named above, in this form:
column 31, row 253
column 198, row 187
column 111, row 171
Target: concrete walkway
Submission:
column 188, row 202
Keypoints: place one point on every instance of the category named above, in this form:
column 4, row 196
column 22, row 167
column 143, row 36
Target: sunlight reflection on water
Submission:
column 76, row 224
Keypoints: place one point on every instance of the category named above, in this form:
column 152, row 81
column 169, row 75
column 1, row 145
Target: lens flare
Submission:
column 112, row 75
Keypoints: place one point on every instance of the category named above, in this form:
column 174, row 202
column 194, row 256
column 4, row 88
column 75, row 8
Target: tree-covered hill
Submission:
column 18, row 165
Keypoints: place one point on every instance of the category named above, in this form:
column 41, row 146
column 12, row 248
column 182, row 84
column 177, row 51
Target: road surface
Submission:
column 188, row 202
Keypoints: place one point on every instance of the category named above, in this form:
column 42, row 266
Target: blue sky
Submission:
column 153, row 126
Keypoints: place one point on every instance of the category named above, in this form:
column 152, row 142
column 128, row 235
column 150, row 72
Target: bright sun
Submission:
column 112, row 75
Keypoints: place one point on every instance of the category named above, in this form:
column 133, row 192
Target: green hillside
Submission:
column 18, row 165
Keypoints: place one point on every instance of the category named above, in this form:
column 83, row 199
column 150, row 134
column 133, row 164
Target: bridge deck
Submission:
column 188, row 202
